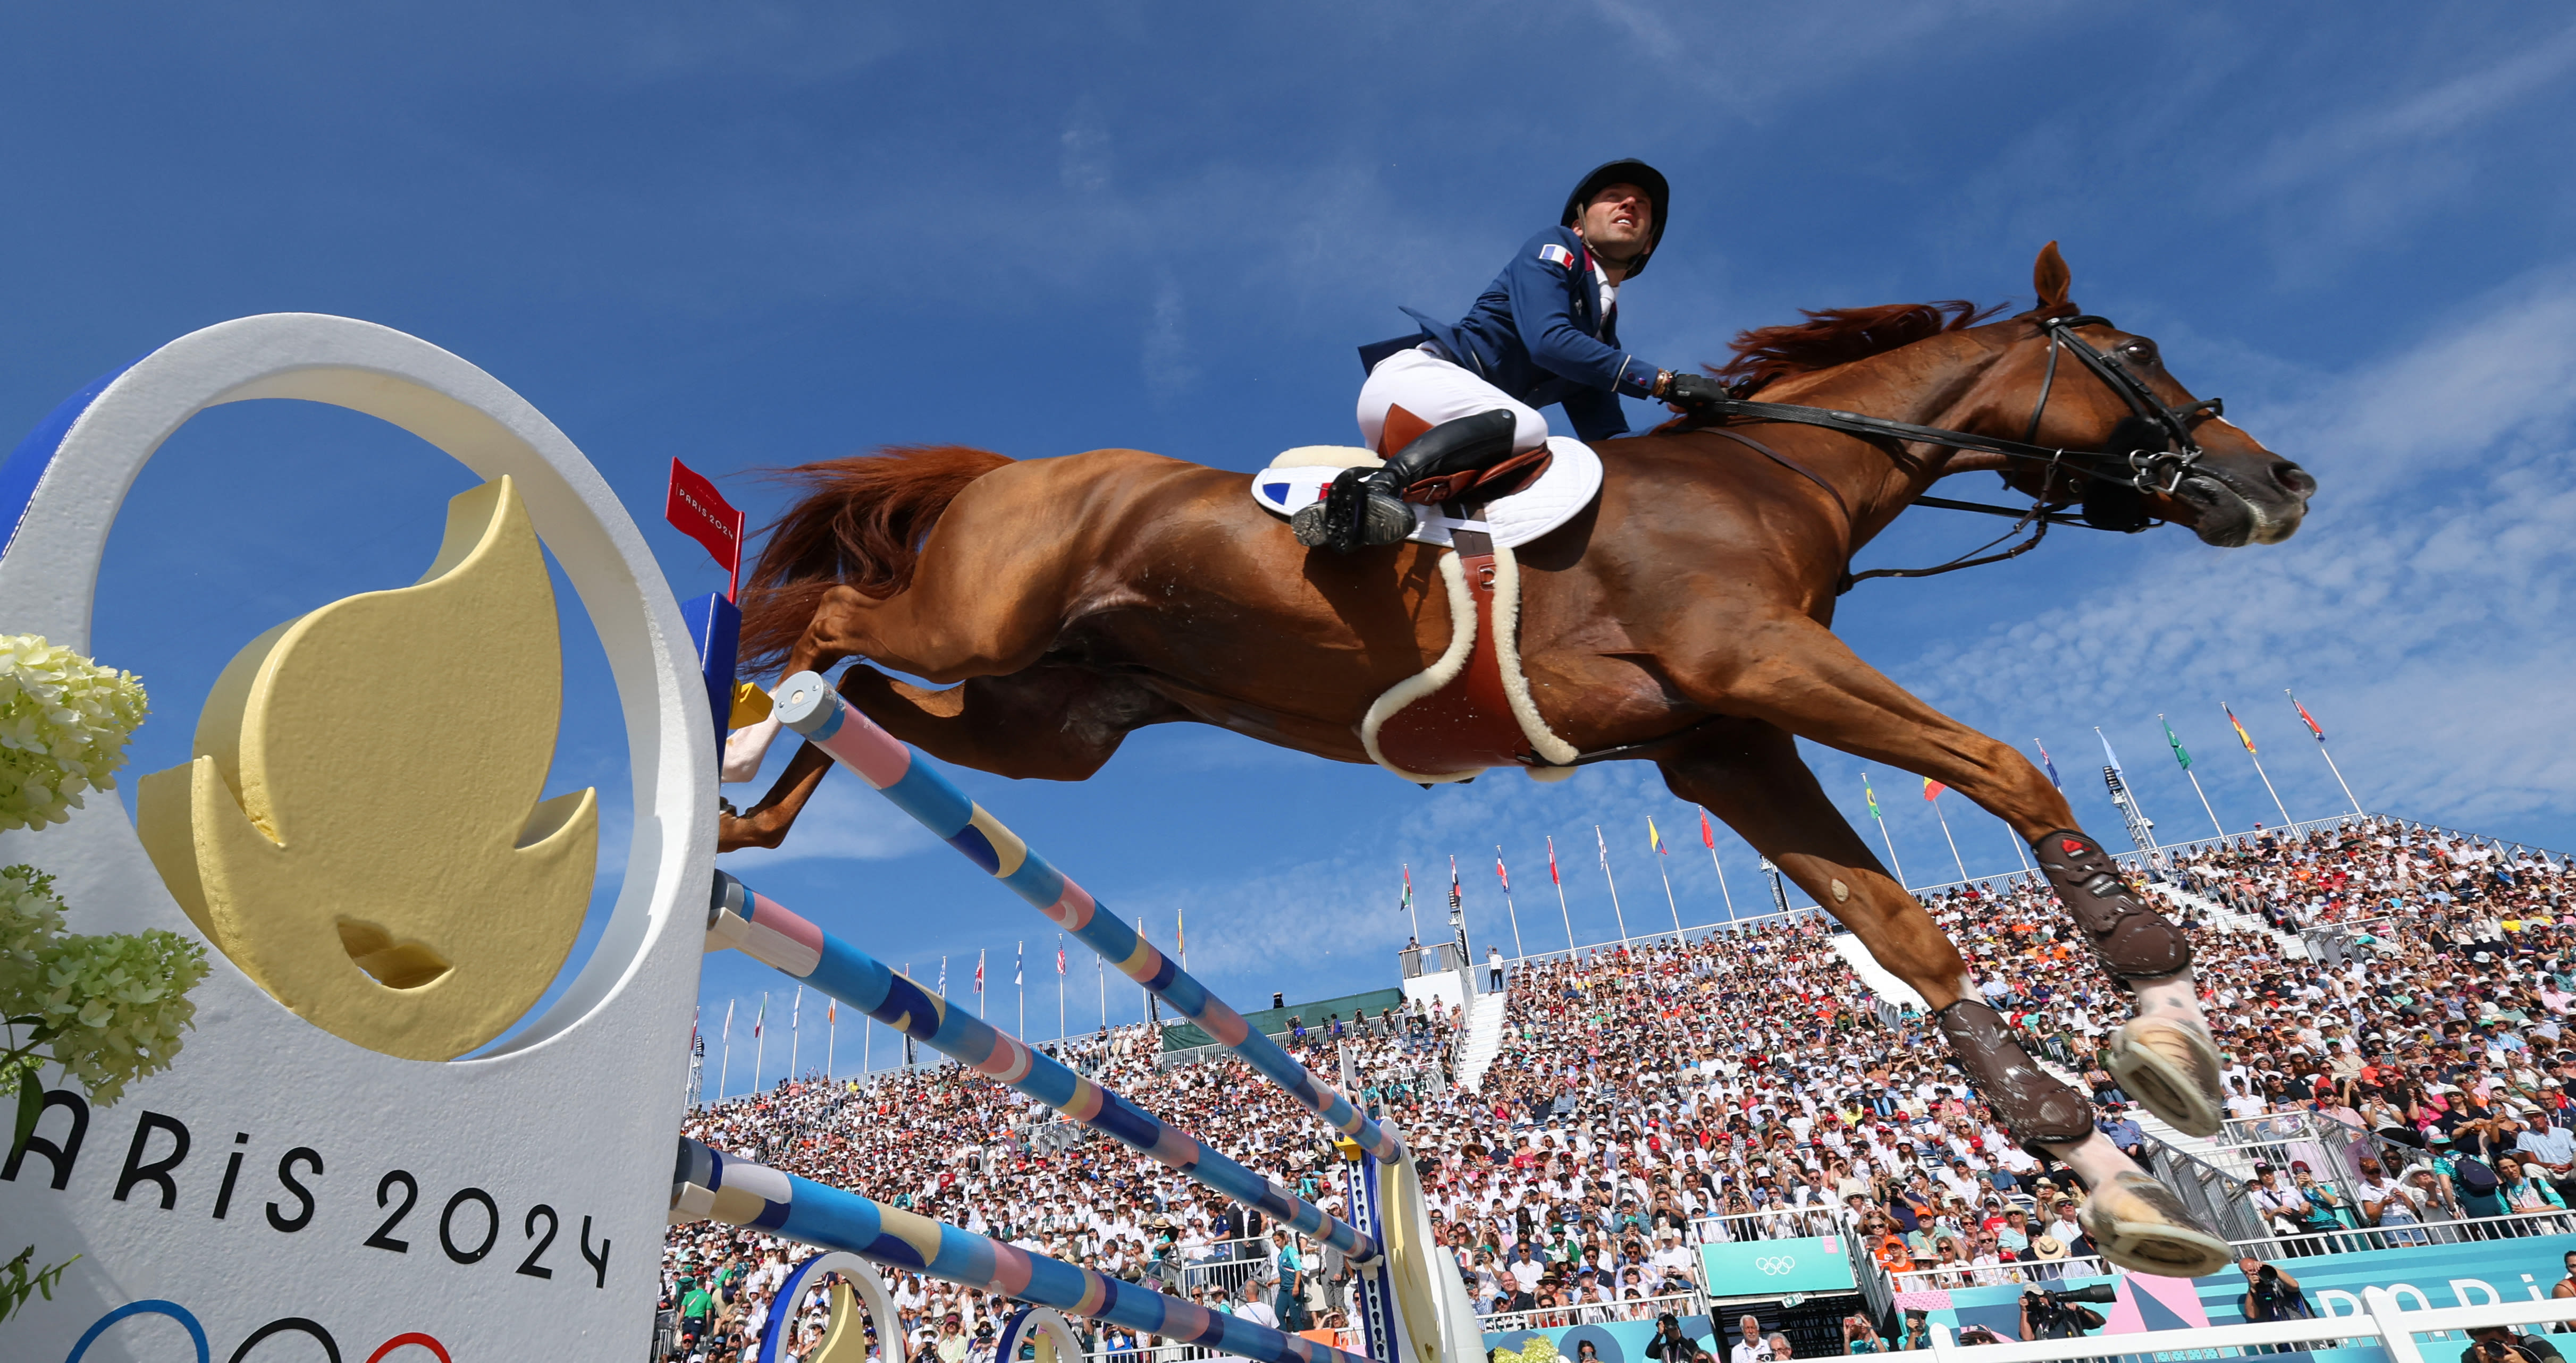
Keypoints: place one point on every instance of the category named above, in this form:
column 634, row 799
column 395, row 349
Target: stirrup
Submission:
column 1353, row 514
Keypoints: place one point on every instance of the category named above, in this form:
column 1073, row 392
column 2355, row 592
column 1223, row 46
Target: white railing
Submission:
column 2281, row 1248
column 2381, row 1321
column 1595, row 1312
column 1776, row 1223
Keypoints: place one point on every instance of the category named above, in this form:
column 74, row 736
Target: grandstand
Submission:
column 1659, row 1117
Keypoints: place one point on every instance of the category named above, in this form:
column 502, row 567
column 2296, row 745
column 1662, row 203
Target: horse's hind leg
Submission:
column 1808, row 682
column 1749, row 774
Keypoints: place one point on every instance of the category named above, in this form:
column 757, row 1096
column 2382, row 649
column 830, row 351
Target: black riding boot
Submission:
column 1366, row 508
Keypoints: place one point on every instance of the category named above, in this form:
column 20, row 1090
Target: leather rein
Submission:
column 2116, row 480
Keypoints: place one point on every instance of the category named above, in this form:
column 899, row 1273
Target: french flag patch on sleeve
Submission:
column 1556, row 255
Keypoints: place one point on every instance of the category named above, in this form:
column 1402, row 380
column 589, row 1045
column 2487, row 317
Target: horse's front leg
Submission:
column 1808, row 682
column 1749, row 774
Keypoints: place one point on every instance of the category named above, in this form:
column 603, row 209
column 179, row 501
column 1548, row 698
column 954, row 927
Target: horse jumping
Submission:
column 1684, row 618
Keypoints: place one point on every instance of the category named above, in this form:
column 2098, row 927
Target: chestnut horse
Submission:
column 1684, row 618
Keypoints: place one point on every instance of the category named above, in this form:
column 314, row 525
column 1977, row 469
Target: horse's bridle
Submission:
column 2125, row 459
column 2151, row 450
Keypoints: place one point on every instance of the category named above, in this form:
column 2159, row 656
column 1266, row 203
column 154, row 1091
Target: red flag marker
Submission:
column 700, row 512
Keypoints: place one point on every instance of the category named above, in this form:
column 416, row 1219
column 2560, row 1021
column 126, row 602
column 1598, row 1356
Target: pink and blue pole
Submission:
column 710, row 1185
column 807, row 704
column 758, row 926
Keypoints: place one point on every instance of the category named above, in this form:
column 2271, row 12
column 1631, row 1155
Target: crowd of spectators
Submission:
column 1745, row 1085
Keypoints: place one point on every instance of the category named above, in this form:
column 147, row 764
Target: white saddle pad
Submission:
column 1572, row 480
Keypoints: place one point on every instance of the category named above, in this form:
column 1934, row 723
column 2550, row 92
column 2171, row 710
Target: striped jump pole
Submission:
column 807, row 704
column 753, row 923
column 709, row 1185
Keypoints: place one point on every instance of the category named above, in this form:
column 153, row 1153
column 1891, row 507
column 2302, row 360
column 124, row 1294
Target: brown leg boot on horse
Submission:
column 2163, row 1057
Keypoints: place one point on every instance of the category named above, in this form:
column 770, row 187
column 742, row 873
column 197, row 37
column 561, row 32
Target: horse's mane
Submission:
column 1836, row 336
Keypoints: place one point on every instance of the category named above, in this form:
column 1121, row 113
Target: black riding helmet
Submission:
column 1658, row 194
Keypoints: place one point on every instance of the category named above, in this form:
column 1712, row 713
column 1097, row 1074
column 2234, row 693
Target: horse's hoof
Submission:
column 2140, row 1225
column 2170, row 1066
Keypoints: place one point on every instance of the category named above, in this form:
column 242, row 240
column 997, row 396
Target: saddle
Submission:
column 1470, row 709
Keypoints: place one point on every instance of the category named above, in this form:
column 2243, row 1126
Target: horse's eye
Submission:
column 2140, row 350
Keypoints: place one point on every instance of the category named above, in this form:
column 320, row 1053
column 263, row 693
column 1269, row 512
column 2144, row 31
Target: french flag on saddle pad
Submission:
column 1557, row 255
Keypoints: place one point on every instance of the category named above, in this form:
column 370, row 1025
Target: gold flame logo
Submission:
column 361, row 830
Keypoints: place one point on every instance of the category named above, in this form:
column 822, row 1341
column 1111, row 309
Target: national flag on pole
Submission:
column 728, row 1031
column 1019, row 964
column 1654, row 839
column 943, row 974
column 1059, row 960
column 2046, row 765
column 757, row 1017
column 1457, row 893
column 832, row 1013
column 1501, row 874
column 1181, row 930
column 2179, row 755
column 1932, row 789
column 979, row 970
column 2239, row 725
column 1406, row 905
column 700, row 512
column 1870, row 795
column 693, row 1025
column 2112, row 757
column 2311, row 719
column 1604, row 846
column 1552, row 877
column 1707, row 835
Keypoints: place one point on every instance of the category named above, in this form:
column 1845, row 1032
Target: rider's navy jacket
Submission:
column 1539, row 334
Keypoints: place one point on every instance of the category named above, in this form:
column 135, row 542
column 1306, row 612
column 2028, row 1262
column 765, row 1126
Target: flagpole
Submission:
column 1559, row 882
column 2321, row 750
column 795, row 1030
column 1102, row 973
column 2257, row 759
column 1954, row 842
column 1515, row 914
column 831, row 1039
column 2020, row 852
column 724, row 1067
column 1019, row 984
column 1614, row 886
column 1409, row 910
column 1059, row 986
column 759, row 1040
column 1710, row 838
column 1666, row 872
column 1881, row 821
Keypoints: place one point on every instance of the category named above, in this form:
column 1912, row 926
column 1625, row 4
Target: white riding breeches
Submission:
column 1438, row 390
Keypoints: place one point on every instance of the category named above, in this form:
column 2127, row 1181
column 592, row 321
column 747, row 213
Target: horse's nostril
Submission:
column 2293, row 479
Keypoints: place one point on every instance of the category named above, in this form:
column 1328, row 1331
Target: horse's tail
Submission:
column 860, row 521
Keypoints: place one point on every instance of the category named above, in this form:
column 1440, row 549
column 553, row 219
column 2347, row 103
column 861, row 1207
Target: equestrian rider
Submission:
column 1545, row 331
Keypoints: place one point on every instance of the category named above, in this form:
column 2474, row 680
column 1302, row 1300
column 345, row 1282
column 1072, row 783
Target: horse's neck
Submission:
column 1924, row 383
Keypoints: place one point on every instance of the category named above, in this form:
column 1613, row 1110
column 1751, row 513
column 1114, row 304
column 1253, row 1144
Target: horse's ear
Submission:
column 2049, row 278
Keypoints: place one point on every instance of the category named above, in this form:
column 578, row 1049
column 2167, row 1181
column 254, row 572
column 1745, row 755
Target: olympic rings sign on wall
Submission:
column 284, row 1325
column 1776, row 1264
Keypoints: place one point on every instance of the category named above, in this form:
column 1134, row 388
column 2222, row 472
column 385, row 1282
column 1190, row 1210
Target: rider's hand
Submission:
column 1693, row 390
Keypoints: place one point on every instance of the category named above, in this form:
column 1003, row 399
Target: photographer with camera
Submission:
column 2062, row 1315
column 2498, row 1344
column 2271, row 1293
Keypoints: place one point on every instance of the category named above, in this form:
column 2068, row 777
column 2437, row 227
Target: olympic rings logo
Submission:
column 1776, row 1264
column 284, row 1325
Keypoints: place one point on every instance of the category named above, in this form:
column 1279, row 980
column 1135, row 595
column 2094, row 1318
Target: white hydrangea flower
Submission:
column 64, row 721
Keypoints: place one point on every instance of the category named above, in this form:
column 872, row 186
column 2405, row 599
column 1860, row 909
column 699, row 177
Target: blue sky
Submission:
column 753, row 235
